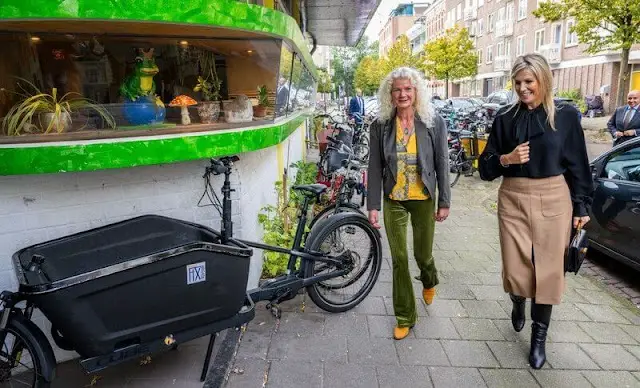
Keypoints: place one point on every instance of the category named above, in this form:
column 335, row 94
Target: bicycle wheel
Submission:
column 361, row 150
column 454, row 168
column 352, row 239
column 22, row 357
column 330, row 210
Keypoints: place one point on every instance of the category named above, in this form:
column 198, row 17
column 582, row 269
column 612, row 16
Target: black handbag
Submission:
column 577, row 250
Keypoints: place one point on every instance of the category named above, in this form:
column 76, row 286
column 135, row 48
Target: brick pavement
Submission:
column 464, row 339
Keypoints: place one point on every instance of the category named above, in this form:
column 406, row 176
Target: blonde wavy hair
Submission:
column 538, row 65
column 421, row 104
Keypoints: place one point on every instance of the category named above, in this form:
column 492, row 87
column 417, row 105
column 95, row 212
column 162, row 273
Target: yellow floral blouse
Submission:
column 409, row 185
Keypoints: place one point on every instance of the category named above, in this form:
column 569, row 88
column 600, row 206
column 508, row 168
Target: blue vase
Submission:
column 144, row 111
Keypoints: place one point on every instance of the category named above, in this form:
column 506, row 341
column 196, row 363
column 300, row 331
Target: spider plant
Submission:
column 35, row 104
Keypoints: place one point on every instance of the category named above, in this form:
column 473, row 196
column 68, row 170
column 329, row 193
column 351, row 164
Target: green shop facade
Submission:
column 112, row 108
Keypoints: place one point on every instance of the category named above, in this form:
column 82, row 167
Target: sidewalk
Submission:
column 464, row 339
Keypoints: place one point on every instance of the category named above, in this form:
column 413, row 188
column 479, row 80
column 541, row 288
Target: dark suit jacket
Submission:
column 354, row 105
column 615, row 124
column 433, row 160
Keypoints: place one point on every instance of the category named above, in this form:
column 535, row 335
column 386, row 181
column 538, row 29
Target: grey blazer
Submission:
column 433, row 160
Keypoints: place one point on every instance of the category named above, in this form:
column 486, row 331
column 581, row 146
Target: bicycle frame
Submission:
column 286, row 286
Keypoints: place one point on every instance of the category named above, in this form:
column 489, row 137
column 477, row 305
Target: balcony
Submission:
column 503, row 28
column 470, row 13
column 502, row 63
column 552, row 52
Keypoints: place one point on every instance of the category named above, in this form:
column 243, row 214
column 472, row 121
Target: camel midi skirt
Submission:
column 534, row 217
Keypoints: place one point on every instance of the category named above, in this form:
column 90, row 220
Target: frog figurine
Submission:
column 142, row 105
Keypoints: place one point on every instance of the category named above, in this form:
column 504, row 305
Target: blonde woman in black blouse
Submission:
column 539, row 149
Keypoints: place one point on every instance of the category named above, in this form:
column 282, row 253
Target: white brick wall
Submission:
column 37, row 208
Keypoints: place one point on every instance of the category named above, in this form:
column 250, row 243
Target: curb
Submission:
column 216, row 376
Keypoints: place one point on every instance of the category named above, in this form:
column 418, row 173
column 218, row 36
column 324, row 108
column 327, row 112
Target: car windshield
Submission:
column 459, row 103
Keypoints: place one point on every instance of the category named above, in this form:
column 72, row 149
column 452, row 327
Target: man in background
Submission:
column 356, row 106
column 625, row 121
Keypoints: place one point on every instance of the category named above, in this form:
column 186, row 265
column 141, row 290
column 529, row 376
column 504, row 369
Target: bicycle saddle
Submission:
column 315, row 189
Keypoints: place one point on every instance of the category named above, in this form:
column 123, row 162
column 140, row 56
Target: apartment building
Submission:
column 400, row 20
column 430, row 25
column 505, row 29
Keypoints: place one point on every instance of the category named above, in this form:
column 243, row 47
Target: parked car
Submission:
column 501, row 97
column 498, row 99
column 614, row 228
column 463, row 103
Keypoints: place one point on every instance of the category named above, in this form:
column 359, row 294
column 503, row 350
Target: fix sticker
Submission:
column 196, row 273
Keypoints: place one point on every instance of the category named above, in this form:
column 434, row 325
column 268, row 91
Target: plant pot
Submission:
column 259, row 111
column 60, row 123
column 209, row 111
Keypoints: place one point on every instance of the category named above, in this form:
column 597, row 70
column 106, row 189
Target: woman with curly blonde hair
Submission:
column 408, row 159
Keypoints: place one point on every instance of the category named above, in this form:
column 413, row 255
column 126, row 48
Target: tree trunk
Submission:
column 446, row 88
column 623, row 78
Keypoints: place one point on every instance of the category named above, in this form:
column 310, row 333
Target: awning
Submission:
column 339, row 22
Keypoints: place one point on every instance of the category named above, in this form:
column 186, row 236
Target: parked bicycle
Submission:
column 180, row 280
column 460, row 162
column 345, row 183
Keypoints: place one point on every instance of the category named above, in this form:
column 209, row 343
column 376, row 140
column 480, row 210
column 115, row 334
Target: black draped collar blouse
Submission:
column 552, row 152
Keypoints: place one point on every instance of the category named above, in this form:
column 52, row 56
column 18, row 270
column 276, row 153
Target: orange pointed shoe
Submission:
column 400, row 332
column 428, row 294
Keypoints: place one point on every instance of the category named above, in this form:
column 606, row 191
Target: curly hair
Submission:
column 422, row 103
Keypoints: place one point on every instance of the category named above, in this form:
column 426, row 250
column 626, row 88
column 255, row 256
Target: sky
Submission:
column 380, row 17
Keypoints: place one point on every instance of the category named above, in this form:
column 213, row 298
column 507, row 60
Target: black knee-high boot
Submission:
column 518, row 312
column 541, row 316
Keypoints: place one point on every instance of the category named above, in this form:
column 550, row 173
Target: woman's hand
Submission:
column 373, row 219
column 582, row 220
column 519, row 155
column 442, row 214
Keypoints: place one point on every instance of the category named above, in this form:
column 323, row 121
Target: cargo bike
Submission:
column 148, row 284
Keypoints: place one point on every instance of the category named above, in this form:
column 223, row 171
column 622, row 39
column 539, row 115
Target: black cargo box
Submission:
column 134, row 281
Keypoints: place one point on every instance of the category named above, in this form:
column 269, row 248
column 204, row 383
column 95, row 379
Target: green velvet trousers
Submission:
column 396, row 219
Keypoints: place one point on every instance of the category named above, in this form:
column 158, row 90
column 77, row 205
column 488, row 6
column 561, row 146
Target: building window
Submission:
column 474, row 28
column 479, row 54
column 572, row 37
column 507, row 49
column 539, row 41
column 489, row 54
column 522, row 9
column 520, row 45
column 557, row 34
column 491, row 21
column 459, row 11
column 500, row 49
column 480, row 26
column 509, row 12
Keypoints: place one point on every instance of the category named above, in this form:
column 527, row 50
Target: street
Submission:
column 464, row 339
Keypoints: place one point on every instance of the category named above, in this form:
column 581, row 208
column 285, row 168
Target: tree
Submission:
column 368, row 75
column 344, row 62
column 324, row 81
column 611, row 25
column 450, row 57
column 400, row 54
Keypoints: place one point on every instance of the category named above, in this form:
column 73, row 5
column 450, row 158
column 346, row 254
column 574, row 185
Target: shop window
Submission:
column 284, row 82
column 118, row 86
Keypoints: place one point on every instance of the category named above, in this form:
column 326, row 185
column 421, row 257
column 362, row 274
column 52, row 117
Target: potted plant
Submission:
column 263, row 102
column 39, row 112
column 209, row 85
